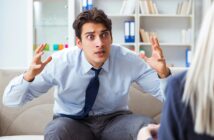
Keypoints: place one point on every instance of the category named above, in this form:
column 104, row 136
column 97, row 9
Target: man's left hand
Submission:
column 157, row 60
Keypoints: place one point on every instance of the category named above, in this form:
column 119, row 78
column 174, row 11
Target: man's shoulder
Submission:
column 71, row 52
column 120, row 51
column 66, row 56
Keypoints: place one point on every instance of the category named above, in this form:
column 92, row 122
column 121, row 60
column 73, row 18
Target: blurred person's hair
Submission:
column 199, row 86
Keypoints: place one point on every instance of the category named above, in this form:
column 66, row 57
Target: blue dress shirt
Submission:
column 69, row 72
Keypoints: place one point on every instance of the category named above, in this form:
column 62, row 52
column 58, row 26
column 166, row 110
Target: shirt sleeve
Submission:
column 19, row 91
column 149, row 81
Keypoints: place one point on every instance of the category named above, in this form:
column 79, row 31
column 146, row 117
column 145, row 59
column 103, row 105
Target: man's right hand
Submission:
column 36, row 65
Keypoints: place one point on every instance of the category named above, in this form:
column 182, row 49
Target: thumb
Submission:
column 143, row 56
column 47, row 60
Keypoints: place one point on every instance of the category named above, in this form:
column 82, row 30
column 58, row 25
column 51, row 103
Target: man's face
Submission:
column 95, row 42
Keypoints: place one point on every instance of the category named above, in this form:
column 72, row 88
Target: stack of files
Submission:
column 186, row 36
column 148, row 7
column 145, row 36
column 87, row 5
column 184, row 7
column 128, row 7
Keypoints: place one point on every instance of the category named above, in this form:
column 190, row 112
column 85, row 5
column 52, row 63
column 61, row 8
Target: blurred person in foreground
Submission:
column 189, row 108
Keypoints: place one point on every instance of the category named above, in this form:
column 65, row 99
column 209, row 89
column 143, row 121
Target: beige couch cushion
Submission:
column 32, row 118
column 23, row 137
column 27, row 120
column 145, row 104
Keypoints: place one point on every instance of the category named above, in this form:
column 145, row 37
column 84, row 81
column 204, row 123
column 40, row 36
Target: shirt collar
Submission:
column 87, row 66
column 106, row 65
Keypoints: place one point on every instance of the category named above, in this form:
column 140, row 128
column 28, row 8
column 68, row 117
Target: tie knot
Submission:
column 97, row 71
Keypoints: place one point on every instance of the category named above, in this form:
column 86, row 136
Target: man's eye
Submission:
column 90, row 37
column 105, row 34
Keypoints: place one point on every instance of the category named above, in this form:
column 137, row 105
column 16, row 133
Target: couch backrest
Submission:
column 34, row 116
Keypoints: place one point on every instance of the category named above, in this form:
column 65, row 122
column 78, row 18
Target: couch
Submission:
column 29, row 121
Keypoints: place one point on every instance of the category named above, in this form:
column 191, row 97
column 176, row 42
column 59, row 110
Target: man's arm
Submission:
column 26, row 87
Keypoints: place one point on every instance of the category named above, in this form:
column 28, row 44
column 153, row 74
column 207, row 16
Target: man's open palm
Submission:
column 37, row 65
column 157, row 60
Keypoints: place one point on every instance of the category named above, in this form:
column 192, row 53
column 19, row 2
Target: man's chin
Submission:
column 101, row 61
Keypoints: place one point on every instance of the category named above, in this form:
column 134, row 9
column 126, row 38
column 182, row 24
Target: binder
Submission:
column 90, row 4
column 84, row 5
column 132, row 31
column 126, row 31
column 188, row 57
column 129, row 31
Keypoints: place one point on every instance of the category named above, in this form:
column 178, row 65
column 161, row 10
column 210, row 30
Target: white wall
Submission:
column 15, row 33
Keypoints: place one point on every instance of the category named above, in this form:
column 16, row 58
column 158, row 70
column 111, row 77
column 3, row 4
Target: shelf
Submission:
column 52, row 25
column 119, row 15
column 127, row 44
column 167, row 44
column 165, row 16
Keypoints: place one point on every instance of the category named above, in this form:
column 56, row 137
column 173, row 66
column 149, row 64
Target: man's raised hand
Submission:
column 157, row 60
column 36, row 65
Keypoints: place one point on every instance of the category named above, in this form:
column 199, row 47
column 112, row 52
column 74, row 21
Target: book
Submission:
column 130, row 7
column 188, row 57
column 89, row 4
column 126, row 31
column 129, row 31
column 184, row 7
column 189, row 7
column 132, row 31
column 122, row 9
column 145, row 6
column 84, row 5
column 155, row 8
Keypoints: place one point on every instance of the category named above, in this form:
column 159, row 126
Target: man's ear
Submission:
column 79, row 43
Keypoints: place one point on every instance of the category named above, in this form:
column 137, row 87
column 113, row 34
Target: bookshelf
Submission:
column 171, row 27
column 53, row 24
column 169, row 24
column 50, row 25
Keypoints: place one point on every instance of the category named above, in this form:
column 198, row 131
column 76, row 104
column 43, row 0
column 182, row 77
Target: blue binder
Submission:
column 188, row 57
column 129, row 31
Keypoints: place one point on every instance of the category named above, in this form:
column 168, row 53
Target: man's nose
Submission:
column 98, row 42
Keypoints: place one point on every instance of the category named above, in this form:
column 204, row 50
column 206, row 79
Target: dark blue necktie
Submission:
column 90, row 96
column 91, row 92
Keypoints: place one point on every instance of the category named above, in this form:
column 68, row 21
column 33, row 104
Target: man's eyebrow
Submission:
column 89, row 33
column 92, row 32
column 106, row 30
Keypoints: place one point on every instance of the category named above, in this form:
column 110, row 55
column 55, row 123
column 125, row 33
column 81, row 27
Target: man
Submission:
column 92, row 81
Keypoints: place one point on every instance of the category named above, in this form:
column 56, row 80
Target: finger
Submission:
column 162, row 59
column 157, row 41
column 40, row 48
column 152, row 42
column 143, row 56
column 38, row 56
column 160, row 52
column 36, row 66
column 47, row 60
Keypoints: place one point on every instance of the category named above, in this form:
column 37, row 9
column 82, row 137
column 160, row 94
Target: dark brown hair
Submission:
column 94, row 16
